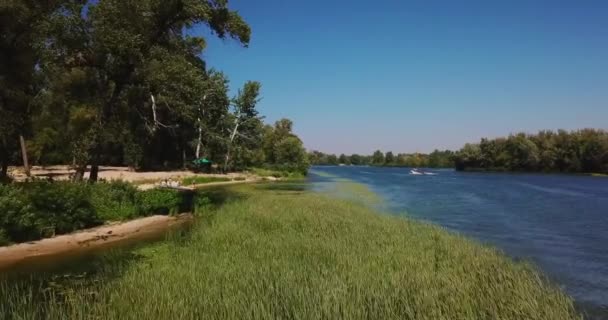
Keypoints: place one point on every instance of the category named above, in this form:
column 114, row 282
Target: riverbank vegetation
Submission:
column 41, row 209
column 580, row 151
column 276, row 251
column 110, row 82
column 435, row 159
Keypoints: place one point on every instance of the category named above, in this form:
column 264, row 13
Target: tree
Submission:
column 211, row 110
column 389, row 158
column 124, row 82
column 344, row 159
column 378, row 158
column 245, row 117
column 285, row 151
column 576, row 151
column 468, row 157
column 143, row 72
column 23, row 32
column 593, row 150
column 332, row 160
column 356, row 160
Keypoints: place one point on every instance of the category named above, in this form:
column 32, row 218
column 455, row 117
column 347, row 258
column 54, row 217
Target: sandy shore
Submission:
column 115, row 173
column 90, row 240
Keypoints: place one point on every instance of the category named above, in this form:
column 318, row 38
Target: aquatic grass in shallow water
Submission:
column 271, row 254
column 357, row 192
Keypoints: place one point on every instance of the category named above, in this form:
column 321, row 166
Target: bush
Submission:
column 14, row 211
column 61, row 207
column 3, row 238
column 115, row 201
column 39, row 209
column 35, row 210
column 159, row 201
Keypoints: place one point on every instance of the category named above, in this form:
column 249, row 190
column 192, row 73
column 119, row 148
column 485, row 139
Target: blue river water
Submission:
column 558, row 222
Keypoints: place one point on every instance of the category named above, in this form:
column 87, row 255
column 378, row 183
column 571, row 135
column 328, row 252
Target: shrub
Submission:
column 60, row 207
column 14, row 212
column 115, row 201
column 159, row 201
column 38, row 209
column 4, row 238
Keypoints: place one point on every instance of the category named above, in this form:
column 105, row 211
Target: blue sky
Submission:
column 413, row 76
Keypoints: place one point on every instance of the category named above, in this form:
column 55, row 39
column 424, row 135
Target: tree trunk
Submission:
column 226, row 161
column 26, row 165
column 94, row 173
column 232, row 136
column 4, row 171
column 79, row 175
column 200, row 140
column 3, row 161
column 3, row 164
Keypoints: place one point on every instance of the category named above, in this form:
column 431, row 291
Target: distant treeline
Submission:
column 548, row 151
column 436, row 159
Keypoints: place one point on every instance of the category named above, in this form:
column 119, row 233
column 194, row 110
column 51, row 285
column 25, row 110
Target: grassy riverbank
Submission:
column 275, row 251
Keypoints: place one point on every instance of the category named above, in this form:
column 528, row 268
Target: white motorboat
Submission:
column 417, row 172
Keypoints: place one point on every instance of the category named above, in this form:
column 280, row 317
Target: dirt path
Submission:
column 90, row 240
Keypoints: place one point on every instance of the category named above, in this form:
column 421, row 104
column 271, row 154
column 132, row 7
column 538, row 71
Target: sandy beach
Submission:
column 90, row 240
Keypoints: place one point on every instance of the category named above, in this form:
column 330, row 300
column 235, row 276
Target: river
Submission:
column 558, row 222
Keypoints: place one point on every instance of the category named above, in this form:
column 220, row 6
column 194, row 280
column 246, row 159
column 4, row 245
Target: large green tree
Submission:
column 22, row 37
column 147, row 82
column 246, row 125
column 284, row 150
column 378, row 158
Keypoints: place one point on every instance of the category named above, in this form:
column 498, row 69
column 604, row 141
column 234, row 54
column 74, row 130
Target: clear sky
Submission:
column 412, row 76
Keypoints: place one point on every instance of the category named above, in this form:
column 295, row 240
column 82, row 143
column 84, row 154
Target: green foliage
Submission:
column 4, row 240
column 277, row 172
column 576, row 151
column 159, row 201
column 113, row 82
column 345, row 160
column 202, row 180
column 246, row 129
column 41, row 209
column 436, row 159
column 283, row 150
column 389, row 158
column 115, row 201
column 287, row 255
column 378, row 158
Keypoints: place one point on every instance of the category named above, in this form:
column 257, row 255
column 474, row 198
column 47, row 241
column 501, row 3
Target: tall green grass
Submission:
column 276, row 173
column 282, row 254
column 202, row 179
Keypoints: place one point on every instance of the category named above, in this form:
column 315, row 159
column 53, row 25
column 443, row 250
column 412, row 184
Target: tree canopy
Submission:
column 562, row 151
column 123, row 83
